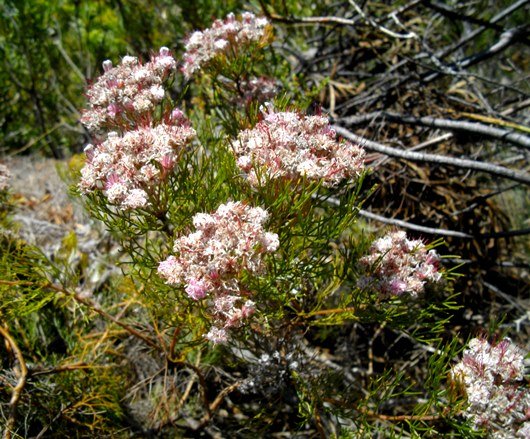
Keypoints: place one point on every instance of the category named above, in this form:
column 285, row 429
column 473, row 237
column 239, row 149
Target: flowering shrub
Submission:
column 127, row 93
column 185, row 294
column 226, row 37
column 289, row 145
column 397, row 265
column 211, row 260
column 491, row 377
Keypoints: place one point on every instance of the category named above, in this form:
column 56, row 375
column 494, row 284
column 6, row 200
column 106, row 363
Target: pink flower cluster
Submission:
column 290, row 145
column 397, row 265
column 127, row 91
column 491, row 376
column 129, row 167
column 5, row 176
column 210, row 261
column 228, row 36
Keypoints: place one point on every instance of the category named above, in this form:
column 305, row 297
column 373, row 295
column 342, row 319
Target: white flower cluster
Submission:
column 210, row 261
column 5, row 176
column 126, row 91
column 290, row 145
column 129, row 167
column 228, row 36
column 491, row 376
column 397, row 265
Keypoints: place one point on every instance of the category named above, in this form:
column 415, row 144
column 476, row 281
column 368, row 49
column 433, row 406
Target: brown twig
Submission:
column 217, row 402
column 200, row 376
column 329, row 311
column 383, row 417
column 17, row 390
column 90, row 304
column 59, row 369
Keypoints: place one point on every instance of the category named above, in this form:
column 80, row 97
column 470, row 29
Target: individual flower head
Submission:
column 226, row 37
column 129, row 167
column 396, row 265
column 290, row 145
column 491, row 376
column 210, row 261
column 5, row 177
column 125, row 94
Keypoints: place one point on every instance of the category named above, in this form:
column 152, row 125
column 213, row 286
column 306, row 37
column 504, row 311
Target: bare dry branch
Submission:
column 471, row 36
column 506, row 39
column 448, row 124
column 474, row 165
column 17, row 391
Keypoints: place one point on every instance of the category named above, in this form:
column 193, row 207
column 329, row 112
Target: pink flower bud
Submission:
column 113, row 110
column 177, row 115
column 167, row 162
column 196, row 289
column 107, row 65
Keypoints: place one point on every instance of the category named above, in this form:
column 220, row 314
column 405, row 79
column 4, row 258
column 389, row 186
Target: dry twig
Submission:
column 474, row 165
column 17, row 390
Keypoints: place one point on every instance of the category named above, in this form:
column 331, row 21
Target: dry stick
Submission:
column 95, row 307
column 457, row 15
column 432, row 230
column 411, row 226
column 200, row 376
column 216, row 403
column 505, row 13
column 65, row 368
column 329, row 311
column 448, row 124
column 89, row 303
column 506, row 39
column 17, row 391
column 405, row 224
column 501, row 171
column 305, row 20
column 374, row 415
column 382, row 29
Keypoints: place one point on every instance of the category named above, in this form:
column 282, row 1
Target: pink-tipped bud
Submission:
column 107, row 65
column 177, row 115
column 196, row 289
column 113, row 110
column 164, row 51
column 248, row 309
column 167, row 162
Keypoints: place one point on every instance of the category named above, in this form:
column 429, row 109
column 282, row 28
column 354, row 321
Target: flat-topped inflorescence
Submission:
column 290, row 145
column 129, row 167
column 210, row 262
column 397, row 265
column 226, row 37
column 125, row 94
column 491, row 376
